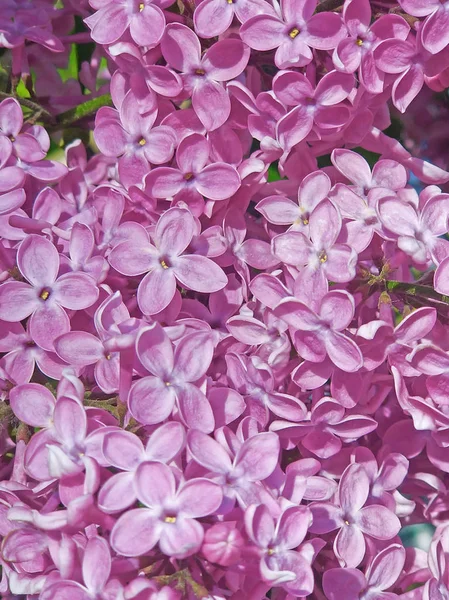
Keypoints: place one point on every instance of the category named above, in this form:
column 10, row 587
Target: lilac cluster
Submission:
column 224, row 350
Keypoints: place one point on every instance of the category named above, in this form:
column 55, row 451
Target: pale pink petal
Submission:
column 164, row 182
column 156, row 291
column 208, row 452
column 155, row 484
column 38, row 260
column 278, row 210
column 193, row 153
column 174, row 231
column 226, row 59
column 181, row 47
column 195, row 408
column 212, row 17
column 349, row 546
column 199, row 273
column 343, row 352
column 218, row 181
column 96, row 564
column 135, row 533
column 263, row 32
column 33, row 404
column 75, row 291
column 47, row 323
column 151, row 401
column 435, row 30
column 155, row 351
column 193, row 356
column 17, row 301
column 378, row 522
column 147, row 27
column 79, row 348
column 211, row 103
column 117, row 493
column 199, row 498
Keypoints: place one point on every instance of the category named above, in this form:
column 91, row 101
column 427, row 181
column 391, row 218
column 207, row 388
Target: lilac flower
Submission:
column 294, row 33
column 203, row 76
column 173, row 376
column 320, row 254
column 255, row 380
column 194, row 177
column 322, row 106
column 281, row 210
column 352, row 518
column 132, row 137
column 214, row 17
column 328, row 423
column 280, row 564
column 96, row 571
column 317, row 336
column 418, row 232
column 381, row 575
column 240, row 478
column 356, row 51
column 411, row 63
column 170, row 514
column 145, row 21
column 165, row 262
column 435, row 35
column 125, row 451
column 23, row 354
column 45, row 295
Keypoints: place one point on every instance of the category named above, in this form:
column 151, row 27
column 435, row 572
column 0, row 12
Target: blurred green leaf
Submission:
column 71, row 72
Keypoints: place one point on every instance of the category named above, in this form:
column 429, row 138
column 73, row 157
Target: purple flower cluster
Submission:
column 218, row 383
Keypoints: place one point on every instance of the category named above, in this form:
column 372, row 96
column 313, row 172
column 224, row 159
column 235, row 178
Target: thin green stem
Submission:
column 414, row 289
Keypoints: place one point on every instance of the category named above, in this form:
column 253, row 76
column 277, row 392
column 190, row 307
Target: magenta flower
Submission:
column 328, row 426
column 23, row 354
column 322, row 106
column 435, row 36
column 280, row 210
column 255, row 380
column 123, row 450
column 131, row 136
column 418, row 231
column 165, row 263
column 204, row 75
column 381, row 575
column 356, row 51
column 411, row 63
column 194, row 177
column 241, row 477
column 294, row 33
column 280, row 563
column 214, row 17
column 96, row 571
column 170, row 514
column 352, row 518
column 144, row 20
column 317, row 336
column 173, row 376
column 320, row 254
column 45, row 295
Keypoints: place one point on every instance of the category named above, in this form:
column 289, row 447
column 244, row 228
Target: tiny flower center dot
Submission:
column 45, row 294
column 142, row 142
column 141, row 6
column 323, row 257
column 270, row 552
column 359, row 42
column 164, row 264
column 170, row 519
column 305, row 221
column 167, row 383
column 294, row 32
column 188, row 176
column 200, row 72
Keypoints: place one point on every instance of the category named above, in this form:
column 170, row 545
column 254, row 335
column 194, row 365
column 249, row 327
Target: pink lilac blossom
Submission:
column 224, row 291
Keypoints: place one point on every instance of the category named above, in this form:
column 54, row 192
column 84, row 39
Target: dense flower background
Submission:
column 224, row 299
